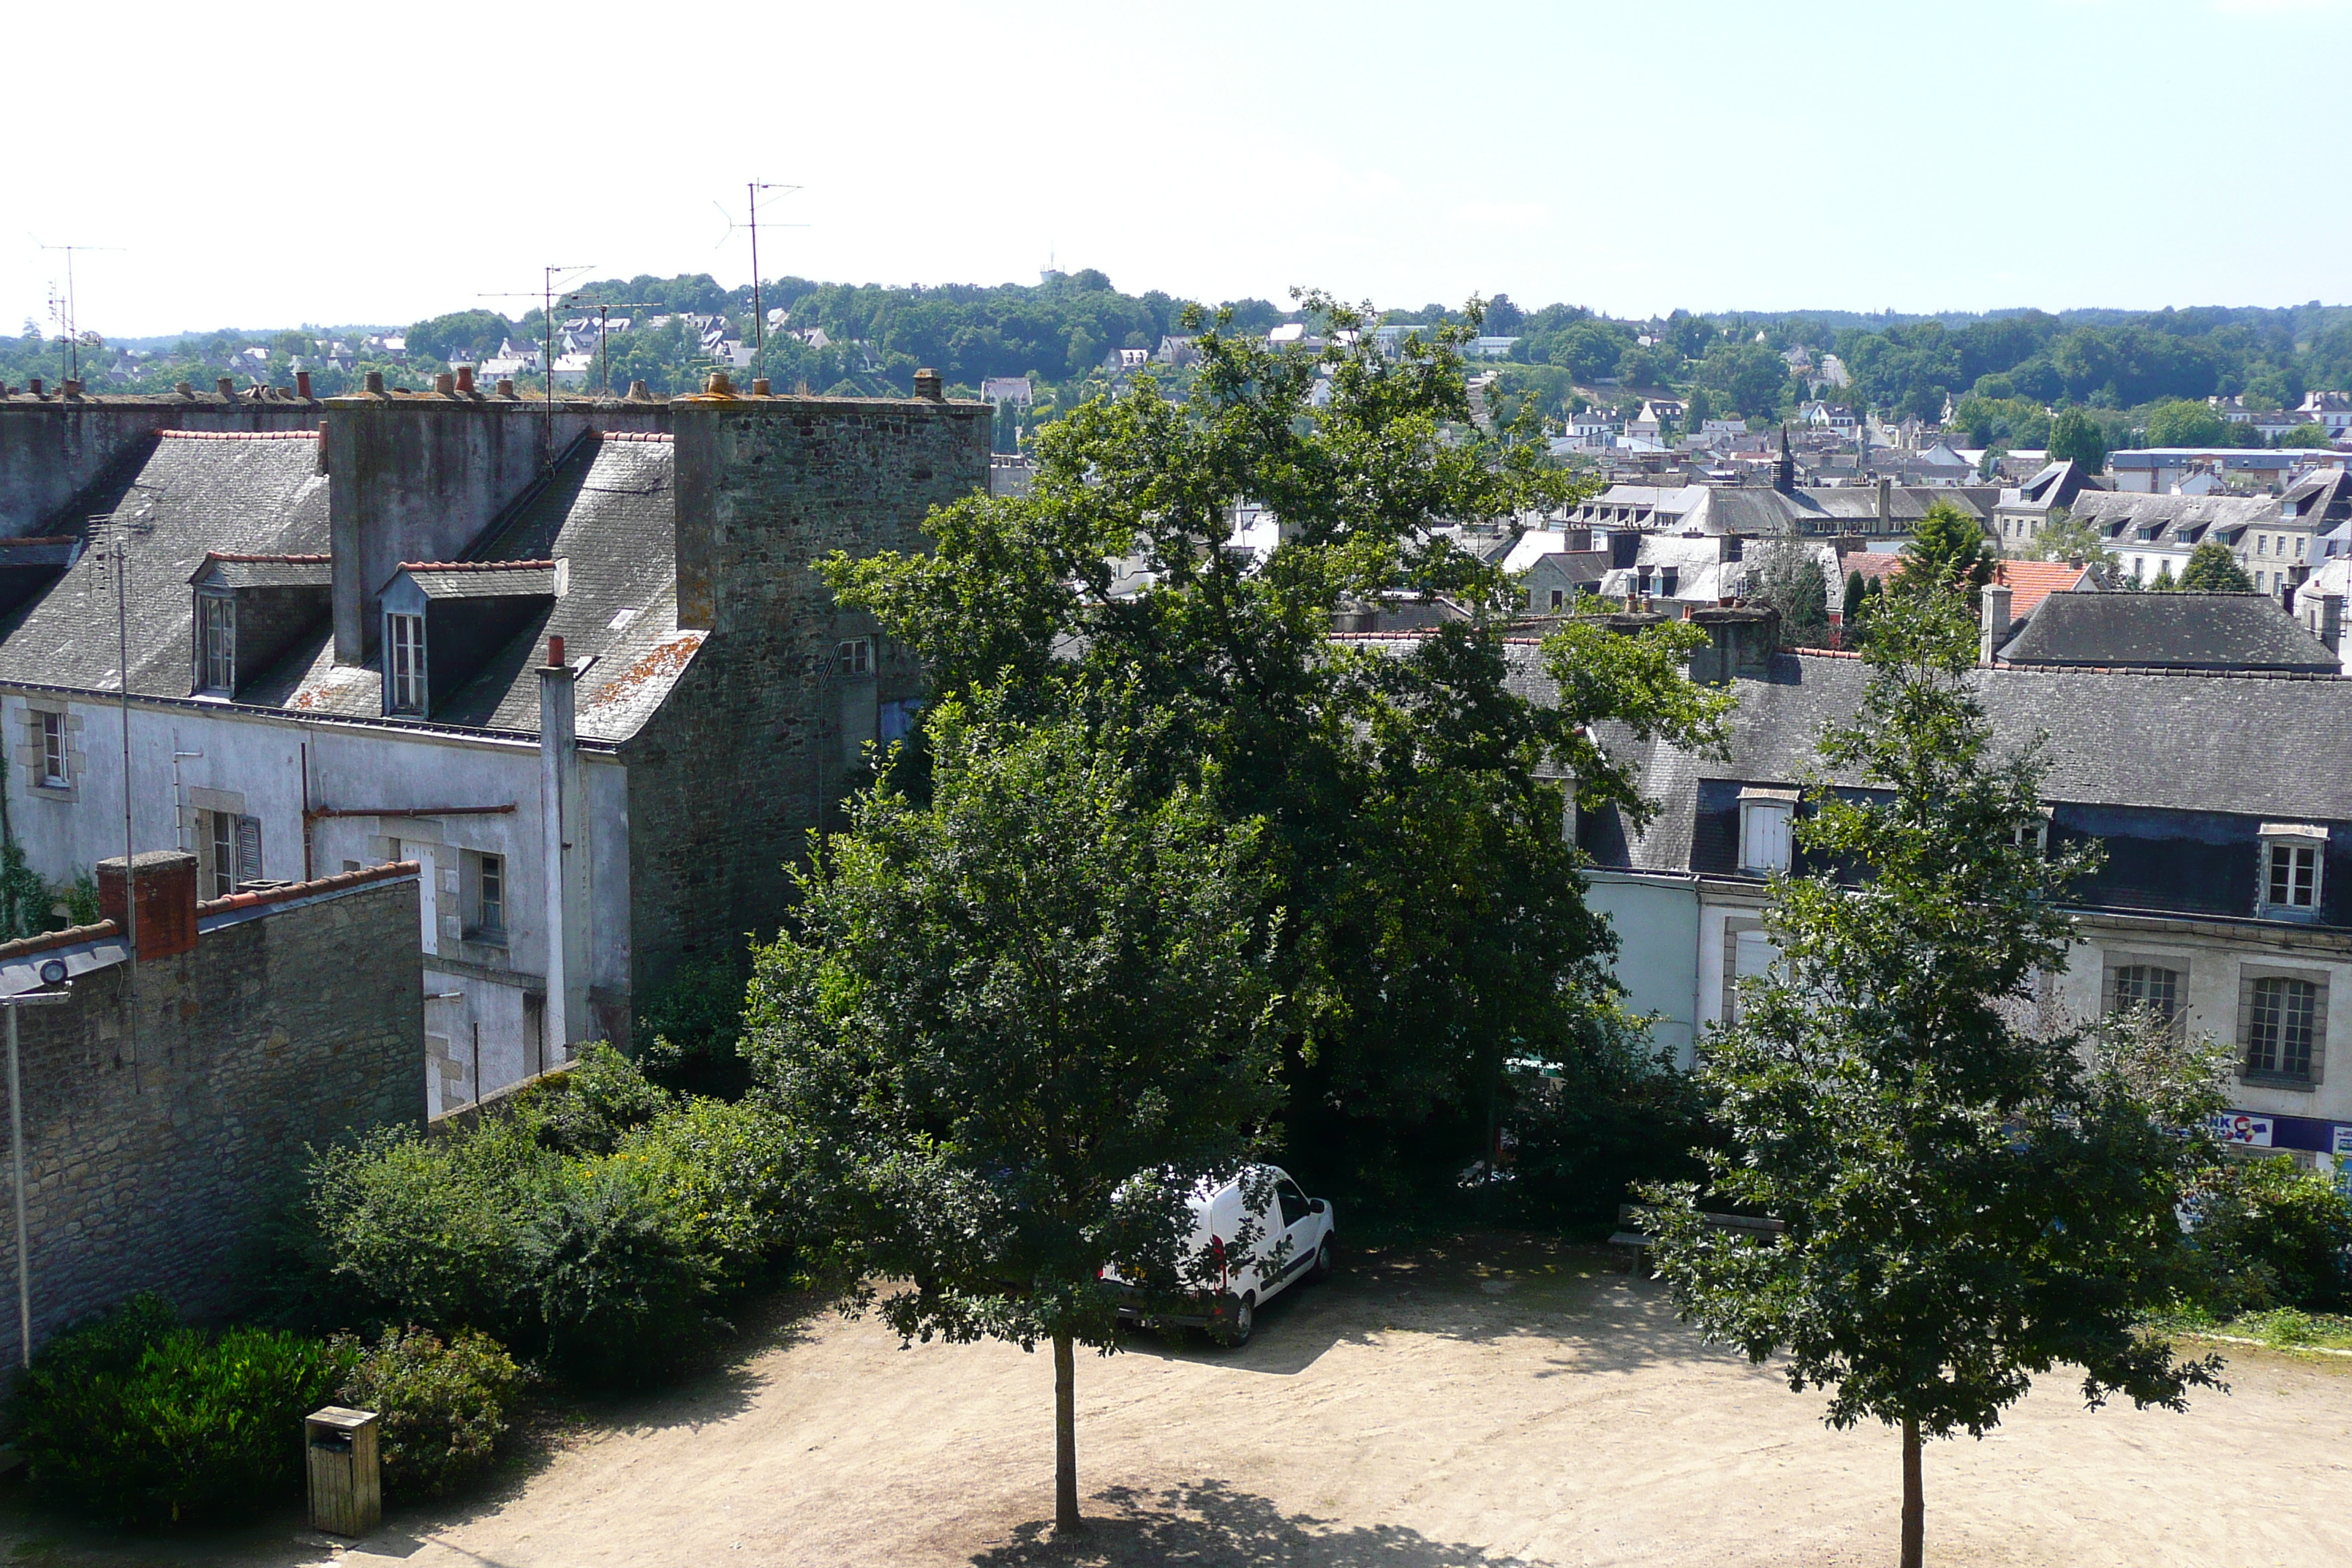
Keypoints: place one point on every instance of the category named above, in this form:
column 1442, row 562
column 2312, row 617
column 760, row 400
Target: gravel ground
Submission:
column 1493, row 1401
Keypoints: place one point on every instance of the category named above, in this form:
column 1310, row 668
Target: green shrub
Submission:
column 431, row 1230
column 725, row 1170
column 135, row 1418
column 593, row 1226
column 2274, row 1236
column 690, row 1031
column 604, row 1098
column 441, row 1406
column 623, row 1293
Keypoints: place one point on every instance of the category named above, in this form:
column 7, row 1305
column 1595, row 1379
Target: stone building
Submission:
column 571, row 658
column 166, row 1110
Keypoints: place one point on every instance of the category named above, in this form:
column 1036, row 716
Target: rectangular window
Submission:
column 405, row 636
column 485, row 896
column 2282, row 1027
column 218, row 613
column 1764, row 835
column 854, row 657
column 53, row 751
column 490, row 901
column 2293, row 876
column 220, row 842
column 1556, row 598
column 2148, row 985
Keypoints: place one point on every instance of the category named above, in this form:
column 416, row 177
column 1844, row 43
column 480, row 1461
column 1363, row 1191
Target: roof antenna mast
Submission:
column 70, row 338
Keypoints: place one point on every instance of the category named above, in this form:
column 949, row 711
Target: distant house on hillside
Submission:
column 1000, row 390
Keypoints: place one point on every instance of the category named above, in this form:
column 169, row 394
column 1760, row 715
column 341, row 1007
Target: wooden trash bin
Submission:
column 339, row 1450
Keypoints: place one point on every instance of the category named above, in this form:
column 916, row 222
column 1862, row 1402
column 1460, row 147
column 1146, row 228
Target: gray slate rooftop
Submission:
column 2169, row 631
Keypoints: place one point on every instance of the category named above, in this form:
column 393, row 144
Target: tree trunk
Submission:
column 1914, row 1500
column 1065, row 1438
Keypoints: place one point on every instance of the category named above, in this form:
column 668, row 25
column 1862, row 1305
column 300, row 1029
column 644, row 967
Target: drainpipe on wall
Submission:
column 564, row 823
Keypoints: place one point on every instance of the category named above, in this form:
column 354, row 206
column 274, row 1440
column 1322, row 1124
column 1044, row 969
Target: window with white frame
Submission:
column 1765, row 817
column 2033, row 833
column 2293, row 861
column 54, row 765
column 216, row 651
column 853, row 656
column 404, row 662
column 2281, row 1026
column 230, row 851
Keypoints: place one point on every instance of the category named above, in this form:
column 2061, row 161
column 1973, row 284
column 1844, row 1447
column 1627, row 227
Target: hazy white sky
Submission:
column 265, row 164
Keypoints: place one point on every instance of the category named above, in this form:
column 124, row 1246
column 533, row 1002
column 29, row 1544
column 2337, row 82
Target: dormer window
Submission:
column 1765, row 817
column 217, row 645
column 2294, row 860
column 2034, row 832
column 403, row 663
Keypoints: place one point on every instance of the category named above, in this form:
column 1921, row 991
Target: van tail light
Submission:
column 1217, row 1251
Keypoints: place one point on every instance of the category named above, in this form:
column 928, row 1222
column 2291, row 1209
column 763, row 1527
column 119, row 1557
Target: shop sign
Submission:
column 2240, row 1127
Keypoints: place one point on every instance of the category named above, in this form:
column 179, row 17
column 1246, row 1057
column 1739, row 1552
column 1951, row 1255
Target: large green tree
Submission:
column 2075, row 436
column 1947, row 552
column 1015, row 1026
column 1968, row 1202
column 1434, row 919
column 2211, row 569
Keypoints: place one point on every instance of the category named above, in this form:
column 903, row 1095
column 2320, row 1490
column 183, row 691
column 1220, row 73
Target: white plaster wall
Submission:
column 257, row 759
column 1658, row 925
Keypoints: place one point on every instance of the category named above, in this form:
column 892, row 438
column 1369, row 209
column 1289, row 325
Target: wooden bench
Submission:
column 1636, row 1244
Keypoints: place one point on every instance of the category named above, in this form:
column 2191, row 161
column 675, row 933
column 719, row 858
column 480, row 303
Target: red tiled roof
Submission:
column 634, row 436
column 475, row 565
column 1875, row 565
column 336, row 883
column 238, row 434
column 66, row 938
column 2031, row 582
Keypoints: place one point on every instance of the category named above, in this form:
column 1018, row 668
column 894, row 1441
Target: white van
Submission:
column 1296, row 1234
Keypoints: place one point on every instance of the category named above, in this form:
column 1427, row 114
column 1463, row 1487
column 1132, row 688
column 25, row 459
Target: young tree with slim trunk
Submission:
column 1967, row 1203
column 998, row 1009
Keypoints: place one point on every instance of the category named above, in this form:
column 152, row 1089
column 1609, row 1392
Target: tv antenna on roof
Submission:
column 71, row 340
column 604, row 309
column 751, row 189
column 546, row 296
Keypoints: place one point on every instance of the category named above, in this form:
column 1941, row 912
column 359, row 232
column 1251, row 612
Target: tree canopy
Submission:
column 998, row 1009
column 1433, row 918
column 1970, row 1198
column 2211, row 569
column 2075, row 436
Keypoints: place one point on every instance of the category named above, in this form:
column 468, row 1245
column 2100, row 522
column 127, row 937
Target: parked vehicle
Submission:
column 1294, row 1235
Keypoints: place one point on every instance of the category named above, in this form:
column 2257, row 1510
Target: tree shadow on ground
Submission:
column 1211, row 1525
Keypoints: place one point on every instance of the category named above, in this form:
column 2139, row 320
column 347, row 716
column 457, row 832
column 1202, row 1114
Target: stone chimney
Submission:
column 1996, row 622
column 1886, row 504
column 374, row 383
column 929, row 387
column 2331, row 622
column 466, row 380
column 226, row 388
column 1740, row 640
column 445, row 383
column 164, row 918
column 302, row 385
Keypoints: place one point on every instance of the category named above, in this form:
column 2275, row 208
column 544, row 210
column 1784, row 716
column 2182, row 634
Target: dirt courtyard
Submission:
column 1490, row 1402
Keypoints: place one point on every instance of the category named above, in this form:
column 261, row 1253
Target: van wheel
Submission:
column 1239, row 1321
column 1322, row 1269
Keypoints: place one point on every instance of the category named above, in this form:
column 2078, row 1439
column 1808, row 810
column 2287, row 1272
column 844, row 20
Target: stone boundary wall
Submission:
column 150, row 1156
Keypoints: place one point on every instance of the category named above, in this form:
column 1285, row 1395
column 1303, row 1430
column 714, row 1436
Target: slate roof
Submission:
column 259, row 494
column 2169, row 631
column 482, row 579
column 2189, row 742
column 2135, row 517
column 609, row 513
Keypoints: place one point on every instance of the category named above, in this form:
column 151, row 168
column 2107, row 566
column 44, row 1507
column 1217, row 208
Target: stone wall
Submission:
column 149, row 1158
column 752, row 747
